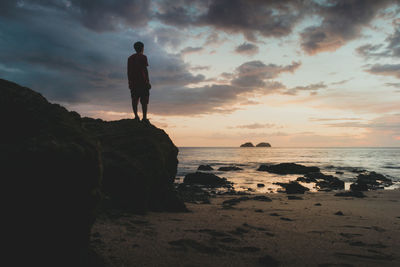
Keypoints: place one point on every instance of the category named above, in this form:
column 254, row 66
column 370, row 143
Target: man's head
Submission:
column 138, row 47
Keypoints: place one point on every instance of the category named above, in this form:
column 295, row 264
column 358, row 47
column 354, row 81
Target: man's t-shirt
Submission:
column 137, row 70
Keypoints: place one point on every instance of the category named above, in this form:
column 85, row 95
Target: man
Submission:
column 139, row 82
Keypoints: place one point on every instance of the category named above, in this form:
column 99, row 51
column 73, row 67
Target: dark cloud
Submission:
column 392, row 48
column 386, row 70
column 247, row 49
column 341, row 82
column 255, row 73
column 333, row 119
column 100, row 15
column 396, row 85
column 250, row 77
column 267, row 18
column 342, row 21
column 312, row 88
column 190, row 50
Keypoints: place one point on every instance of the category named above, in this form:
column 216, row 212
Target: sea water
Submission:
column 330, row 160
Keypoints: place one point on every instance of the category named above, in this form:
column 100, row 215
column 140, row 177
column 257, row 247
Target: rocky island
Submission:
column 248, row 144
column 262, row 144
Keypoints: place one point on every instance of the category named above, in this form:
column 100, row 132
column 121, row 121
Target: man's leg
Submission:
column 135, row 101
column 144, row 101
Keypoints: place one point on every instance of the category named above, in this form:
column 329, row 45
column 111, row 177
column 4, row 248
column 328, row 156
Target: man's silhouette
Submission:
column 139, row 82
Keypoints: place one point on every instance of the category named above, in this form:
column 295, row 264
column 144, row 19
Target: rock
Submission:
column 294, row 198
column 370, row 181
column 339, row 172
column 358, row 194
column 260, row 185
column 140, row 164
column 262, row 144
column 205, row 168
column 51, row 170
column 206, row 179
column 248, row 144
column 262, row 198
column 229, row 168
column 287, row 168
column 293, row 187
column 317, row 204
column 268, row 261
column 323, row 181
column 193, row 194
column 339, row 213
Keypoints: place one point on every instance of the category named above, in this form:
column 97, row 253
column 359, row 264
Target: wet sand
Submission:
column 319, row 229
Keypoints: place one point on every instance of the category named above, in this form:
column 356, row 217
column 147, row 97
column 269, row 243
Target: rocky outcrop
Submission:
column 205, row 168
column 140, row 164
column 229, row 168
column 370, row 181
column 263, row 144
column 53, row 162
column 293, row 187
column 322, row 181
column 248, row 144
column 206, row 179
column 51, row 173
column 287, row 168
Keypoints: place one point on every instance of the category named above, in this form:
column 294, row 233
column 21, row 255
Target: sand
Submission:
column 282, row 232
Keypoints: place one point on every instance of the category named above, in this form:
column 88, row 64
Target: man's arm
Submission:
column 129, row 73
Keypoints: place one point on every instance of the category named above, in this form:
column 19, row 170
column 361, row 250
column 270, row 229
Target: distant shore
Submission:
column 314, row 229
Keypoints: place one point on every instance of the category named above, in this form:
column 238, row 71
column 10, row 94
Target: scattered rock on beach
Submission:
column 370, row 181
column 260, row 185
column 339, row 213
column 206, row 179
column 287, row 168
column 229, row 168
column 293, row 187
column 205, row 168
column 248, row 144
column 193, row 194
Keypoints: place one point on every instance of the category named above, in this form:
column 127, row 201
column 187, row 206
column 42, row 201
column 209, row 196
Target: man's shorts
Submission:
column 142, row 94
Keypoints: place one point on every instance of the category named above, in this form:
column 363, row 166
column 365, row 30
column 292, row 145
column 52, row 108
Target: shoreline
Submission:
column 288, row 232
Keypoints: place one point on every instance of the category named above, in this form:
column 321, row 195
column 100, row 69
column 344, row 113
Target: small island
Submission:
column 263, row 144
column 248, row 144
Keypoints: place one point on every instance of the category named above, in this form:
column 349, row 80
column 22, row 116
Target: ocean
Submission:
column 330, row 160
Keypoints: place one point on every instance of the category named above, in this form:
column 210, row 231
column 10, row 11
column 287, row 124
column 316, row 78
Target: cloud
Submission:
column 333, row 119
column 247, row 49
column 101, row 15
column 342, row 21
column 190, row 50
column 396, row 85
column 392, row 48
column 255, row 126
column 267, row 18
column 385, row 69
column 313, row 88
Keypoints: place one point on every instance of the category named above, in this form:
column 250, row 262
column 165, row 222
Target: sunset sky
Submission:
column 223, row 72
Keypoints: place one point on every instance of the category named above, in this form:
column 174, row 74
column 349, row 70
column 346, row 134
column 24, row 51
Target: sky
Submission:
column 305, row 73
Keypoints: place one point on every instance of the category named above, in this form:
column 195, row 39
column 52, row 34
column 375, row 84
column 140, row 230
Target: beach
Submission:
column 311, row 229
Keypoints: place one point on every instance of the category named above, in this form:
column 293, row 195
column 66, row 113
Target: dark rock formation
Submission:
column 193, row 194
column 260, row 185
column 293, row 187
column 262, row 144
column 140, row 164
column 229, row 168
column 206, row 179
column 51, row 170
column 52, row 165
column 288, row 168
column 248, row 144
column 322, row 181
column 370, row 180
column 205, row 168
